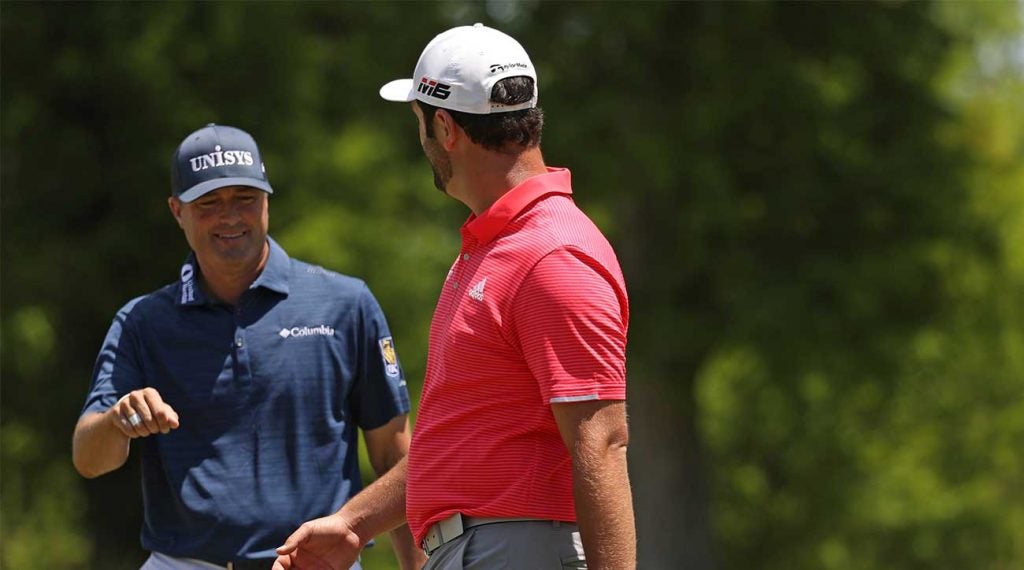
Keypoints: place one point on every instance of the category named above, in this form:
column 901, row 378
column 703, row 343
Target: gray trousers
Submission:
column 517, row 545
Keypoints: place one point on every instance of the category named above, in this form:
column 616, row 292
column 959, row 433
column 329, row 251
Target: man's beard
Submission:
column 440, row 164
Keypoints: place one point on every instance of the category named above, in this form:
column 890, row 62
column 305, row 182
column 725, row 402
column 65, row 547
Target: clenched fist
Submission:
column 143, row 413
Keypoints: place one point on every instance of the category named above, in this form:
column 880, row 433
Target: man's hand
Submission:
column 101, row 440
column 327, row 543
column 143, row 413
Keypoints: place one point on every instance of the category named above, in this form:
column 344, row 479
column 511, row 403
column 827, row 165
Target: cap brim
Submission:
column 398, row 90
column 211, row 185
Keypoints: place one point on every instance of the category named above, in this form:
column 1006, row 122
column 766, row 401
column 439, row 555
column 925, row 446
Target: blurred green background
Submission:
column 819, row 209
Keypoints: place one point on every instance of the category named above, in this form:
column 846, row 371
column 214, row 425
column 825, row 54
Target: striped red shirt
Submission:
column 533, row 312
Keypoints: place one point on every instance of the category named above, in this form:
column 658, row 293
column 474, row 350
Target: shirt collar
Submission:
column 274, row 277
column 275, row 272
column 490, row 223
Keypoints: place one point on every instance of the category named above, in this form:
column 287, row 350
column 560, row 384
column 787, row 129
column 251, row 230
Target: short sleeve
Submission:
column 117, row 369
column 571, row 320
column 380, row 392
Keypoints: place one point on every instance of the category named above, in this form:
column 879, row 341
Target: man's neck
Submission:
column 226, row 282
column 487, row 176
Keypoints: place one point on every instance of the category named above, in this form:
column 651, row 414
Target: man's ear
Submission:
column 175, row 205
column 446, row 130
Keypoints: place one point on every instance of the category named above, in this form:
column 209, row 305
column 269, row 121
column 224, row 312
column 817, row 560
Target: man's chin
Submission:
column 235, row 252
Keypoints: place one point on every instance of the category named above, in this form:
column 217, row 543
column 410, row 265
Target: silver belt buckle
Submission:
column 442, row 532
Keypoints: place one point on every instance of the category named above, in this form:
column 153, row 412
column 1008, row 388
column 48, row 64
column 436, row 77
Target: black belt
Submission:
column 447, row 530
column 251, row 564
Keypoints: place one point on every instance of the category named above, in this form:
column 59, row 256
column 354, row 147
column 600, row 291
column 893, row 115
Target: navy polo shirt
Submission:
column 269, row 395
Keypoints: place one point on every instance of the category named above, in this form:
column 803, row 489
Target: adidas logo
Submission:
column 477, row 292
column 323, row 330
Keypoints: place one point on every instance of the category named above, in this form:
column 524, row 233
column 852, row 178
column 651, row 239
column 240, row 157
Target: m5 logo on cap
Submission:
column 434, row 88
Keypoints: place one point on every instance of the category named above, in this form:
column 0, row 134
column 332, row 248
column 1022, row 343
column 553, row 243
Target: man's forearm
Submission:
column 387, row 446
column 410, row 556
column 98, row 446
column 604, row 507
column 380, row 507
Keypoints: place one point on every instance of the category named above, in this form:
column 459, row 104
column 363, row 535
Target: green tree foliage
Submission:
column 818, row 208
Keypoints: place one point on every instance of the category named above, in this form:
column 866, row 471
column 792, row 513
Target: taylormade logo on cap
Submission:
column 459, row 67
column 213, row 157
column 497, row 67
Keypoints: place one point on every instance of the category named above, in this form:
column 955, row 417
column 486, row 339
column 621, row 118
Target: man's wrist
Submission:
column 354, row 527
column 113, row 420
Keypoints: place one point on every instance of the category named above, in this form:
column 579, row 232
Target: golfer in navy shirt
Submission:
column 245, row 381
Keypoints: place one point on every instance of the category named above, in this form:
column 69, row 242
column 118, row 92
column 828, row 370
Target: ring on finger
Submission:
column 135, row 419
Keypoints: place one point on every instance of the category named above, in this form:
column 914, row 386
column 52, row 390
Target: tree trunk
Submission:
column 669, row 478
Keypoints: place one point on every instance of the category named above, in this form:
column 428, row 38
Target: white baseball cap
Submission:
column 459, row 67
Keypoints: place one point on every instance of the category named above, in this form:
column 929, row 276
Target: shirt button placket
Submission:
column 462, row 259
column 239, row 336
column 242, row 364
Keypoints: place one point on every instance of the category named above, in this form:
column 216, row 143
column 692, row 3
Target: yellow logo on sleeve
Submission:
column 387, row 351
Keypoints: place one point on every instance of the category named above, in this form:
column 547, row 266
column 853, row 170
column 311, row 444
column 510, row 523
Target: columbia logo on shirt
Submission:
column 321, row 330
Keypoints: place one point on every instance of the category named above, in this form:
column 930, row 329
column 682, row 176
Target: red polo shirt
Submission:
column 533, row 312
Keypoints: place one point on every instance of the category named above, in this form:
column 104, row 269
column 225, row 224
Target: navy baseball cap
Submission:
column 213, row 157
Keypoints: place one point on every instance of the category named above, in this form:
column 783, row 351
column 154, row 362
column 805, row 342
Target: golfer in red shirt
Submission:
column 518, row 458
